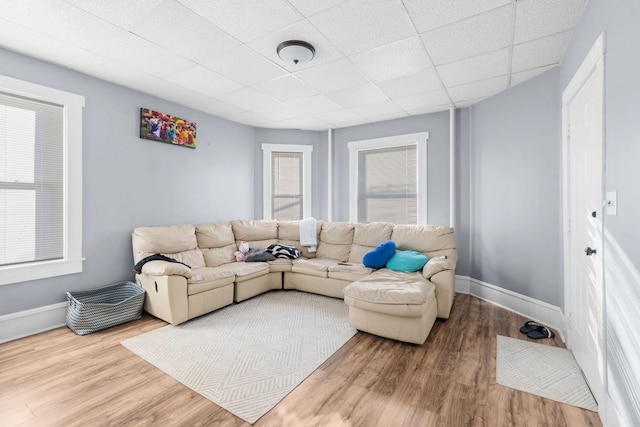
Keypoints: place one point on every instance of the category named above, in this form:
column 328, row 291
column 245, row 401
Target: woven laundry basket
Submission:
column 94, row 309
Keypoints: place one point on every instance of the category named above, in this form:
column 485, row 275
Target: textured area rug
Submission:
column 249, row 356
column 543, row 370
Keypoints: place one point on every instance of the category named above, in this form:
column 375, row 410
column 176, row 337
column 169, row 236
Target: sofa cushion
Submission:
column 350, row 272
column 431, row 240
column 380, row 255
column 209, row 274
column 314, row 267
column 407, row 261
column 164, row 240
column 255, row 231
column 335, row 241
column 368, row 236
column 217, row 243
column 289, row 234
column 389, row 287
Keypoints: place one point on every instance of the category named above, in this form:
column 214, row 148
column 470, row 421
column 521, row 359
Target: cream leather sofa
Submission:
column 177, row 293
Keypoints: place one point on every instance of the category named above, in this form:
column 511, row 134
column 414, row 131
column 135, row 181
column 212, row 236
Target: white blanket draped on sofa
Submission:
column 308, row 236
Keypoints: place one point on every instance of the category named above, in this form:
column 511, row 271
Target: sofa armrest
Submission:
column 166, row 297
column 436, row 265
column 165, row 268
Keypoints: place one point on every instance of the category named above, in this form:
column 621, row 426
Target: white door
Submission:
column 583, row 116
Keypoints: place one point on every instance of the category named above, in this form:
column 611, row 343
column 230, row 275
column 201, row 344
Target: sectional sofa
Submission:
column 398, row 305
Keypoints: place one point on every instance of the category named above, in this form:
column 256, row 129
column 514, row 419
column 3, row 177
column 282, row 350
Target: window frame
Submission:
column 71, row 261
column 267, row 197
column 419, row 140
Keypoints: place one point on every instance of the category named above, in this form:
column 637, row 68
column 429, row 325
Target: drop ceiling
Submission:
column 375, row 59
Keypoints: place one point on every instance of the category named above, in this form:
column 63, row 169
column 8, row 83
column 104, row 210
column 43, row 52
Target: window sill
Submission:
column 38, row 270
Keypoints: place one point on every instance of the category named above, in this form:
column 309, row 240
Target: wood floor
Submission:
column 60, row 379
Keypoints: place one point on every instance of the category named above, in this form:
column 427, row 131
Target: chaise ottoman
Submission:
column 400, row 306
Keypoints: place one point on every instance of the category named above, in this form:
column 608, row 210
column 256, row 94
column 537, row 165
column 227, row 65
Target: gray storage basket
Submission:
column 95, row 309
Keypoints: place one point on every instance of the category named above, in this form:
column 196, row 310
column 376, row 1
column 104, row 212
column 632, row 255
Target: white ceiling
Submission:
column 375, row 59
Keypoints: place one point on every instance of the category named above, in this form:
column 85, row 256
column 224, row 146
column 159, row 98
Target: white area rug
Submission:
column 543, row 370
column 249, row 356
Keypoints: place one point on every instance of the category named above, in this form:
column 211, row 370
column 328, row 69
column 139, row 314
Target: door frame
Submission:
column 592, row 63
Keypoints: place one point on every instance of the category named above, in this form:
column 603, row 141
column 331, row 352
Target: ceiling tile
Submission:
column 430, row 14
column 517, row 78
column 334, row 75
column 384, row 108
column 279, row 111
column 123, row 13
column 340, row 117
column 540, row 18
column 393, row 60
column 480, row 67
column 358, row 25
column 305, row 122
column 248, row 99
column 479, row 89
column 547, row 51
column 311, row 7
column 202, row 41
column 411, row 84
column 423, row 100
column 250, row 118
column 316, row 104
column 285, row 88
column 358, row 95
column 245, row 19
column 175, row 92
column 245, row 66
column 204, row 80
column 474, row 36
column 216, row 107
column 429, row 110
column 302, row 30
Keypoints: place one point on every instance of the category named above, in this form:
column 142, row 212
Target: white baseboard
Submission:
column 31, row 322
column 525, row 306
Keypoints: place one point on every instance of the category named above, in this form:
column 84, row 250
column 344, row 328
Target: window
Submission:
column 287, row 181
column 40, row 181
column 388, row 179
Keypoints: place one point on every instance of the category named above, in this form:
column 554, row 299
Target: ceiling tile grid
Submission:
column 374, row 59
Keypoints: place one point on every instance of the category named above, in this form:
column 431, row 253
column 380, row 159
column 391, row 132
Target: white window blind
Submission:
column 287, row 181
column 388, row 179
column 387, row 185
column 287, row 190
column 31, row 180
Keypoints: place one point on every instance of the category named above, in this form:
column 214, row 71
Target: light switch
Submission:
column 611, row 203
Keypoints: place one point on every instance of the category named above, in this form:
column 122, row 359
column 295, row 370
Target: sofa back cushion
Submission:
column 257, row 233
column 431, row 240
column 335, row 241
column 217, row 242
column 289, row 234
column 368, row 236
column 177, row 241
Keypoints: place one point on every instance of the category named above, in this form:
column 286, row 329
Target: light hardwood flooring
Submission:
column 57, row 378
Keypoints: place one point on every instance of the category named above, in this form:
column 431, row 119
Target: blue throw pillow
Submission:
column 407, row 261
column 378, row 256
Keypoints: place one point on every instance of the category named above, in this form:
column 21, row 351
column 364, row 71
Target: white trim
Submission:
column 72, row 258
column 30, row 322
column 452, row 167
column 418, row 139
column 523, row 305
column 329, row 175
column 267, row 151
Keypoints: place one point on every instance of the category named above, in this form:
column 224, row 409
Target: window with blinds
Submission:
column 40, row 181
column 31, row 180
column 287, row 181
column 388, row 179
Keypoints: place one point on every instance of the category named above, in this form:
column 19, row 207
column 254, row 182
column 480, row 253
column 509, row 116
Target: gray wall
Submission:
column 437, row 160
column 619, row 19
column 130, row 182
column 515, row 187
column 318, row 164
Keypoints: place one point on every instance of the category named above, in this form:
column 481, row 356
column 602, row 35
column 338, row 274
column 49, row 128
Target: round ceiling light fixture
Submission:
column 296, row 51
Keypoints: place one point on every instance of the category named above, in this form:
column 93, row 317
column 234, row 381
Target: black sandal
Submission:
column 541, row 332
